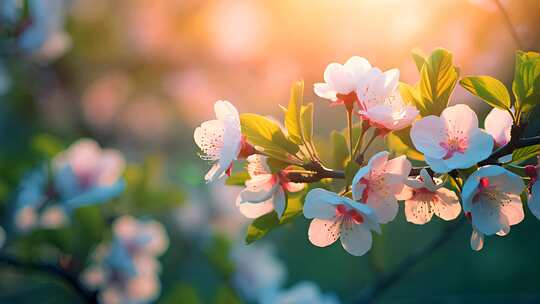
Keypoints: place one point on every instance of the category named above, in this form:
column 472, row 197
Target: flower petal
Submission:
column 427, row 134
column 534, row 200
column 323, row 90
column 321, row 203
column 386, row 208
column 324, row 232
column 460, row 119
column 338, row 78
column 513, row 210
column 498, row 124
column 418, row 212
column 355, row 239
column 477, row 240
column 225, row 110
column 448, row 207
column 256, row 210
column 280, row 202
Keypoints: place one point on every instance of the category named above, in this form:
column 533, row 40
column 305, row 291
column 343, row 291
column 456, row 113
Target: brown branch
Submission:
column 55, row 270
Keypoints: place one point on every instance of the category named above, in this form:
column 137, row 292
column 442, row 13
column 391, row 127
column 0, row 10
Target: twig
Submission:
column 386, row 280
column 509, row 24
column 55, row 270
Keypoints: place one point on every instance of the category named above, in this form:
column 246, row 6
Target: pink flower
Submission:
column 378, row 184
column 453, row 140
column 491, row 197
column 265, row 191
column 425, row 196
column 381, row 104
column 220, row 140
column 498, row 124
column 534, row 189
column 335, row 216
column 341, row 81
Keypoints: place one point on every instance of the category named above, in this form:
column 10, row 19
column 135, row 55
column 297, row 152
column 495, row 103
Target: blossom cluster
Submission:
column 82, row 175
column 126, row 270
column 468, row 170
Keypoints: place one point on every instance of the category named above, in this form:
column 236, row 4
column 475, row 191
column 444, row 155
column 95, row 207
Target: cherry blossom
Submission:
column 491, row 198
column 381, row 104
column 498, row 124
column 220, row 140
column 379, row 182
column 264, row 191
column 425, row 196
column 534, row 189
column 258, row 272
column 86, row 174
column 453, row 140
column 126, row 270
column 341, row 81
column 336, row 216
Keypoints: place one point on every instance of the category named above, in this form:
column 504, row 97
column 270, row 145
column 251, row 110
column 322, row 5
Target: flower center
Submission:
column 349, row 214
column 454, row 145
column 490, row 194
column 347, row 99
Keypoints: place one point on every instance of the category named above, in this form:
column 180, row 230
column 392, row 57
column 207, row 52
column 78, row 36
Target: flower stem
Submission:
column 350, row 128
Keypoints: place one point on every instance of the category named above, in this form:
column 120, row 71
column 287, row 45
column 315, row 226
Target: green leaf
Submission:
column 399, row 142
column 491, row 90
column 292, row 115
column 411, row 95
column 350, row 171
column 46, row 145
column 438, row 78
column 226, row 295
column 306, row 121
column 237, row 178
column 525, row 153
column 266, row 135
column 261, row 226
column 340, row 150
column 526, row 84
column 419, row 58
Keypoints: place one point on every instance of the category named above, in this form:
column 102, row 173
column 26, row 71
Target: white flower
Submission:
column 220, row 140
column 301, row 293
column 425, row 196
column 86, row 174
column 335, row 216
column 378, row 183
column 264, row 191
column 341, row 81
column 381, row 104
column 453, row 140
column 491, row 197
column 258, row 272
column 498, row 124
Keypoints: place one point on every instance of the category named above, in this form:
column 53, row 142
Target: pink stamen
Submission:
column 483, row 185
column 454, row 145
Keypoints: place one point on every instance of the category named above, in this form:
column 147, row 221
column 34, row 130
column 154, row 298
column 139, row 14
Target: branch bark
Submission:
column 55, row 270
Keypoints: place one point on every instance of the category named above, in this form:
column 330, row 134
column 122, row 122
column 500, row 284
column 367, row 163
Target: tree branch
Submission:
column 55, row 270
column 386, row 280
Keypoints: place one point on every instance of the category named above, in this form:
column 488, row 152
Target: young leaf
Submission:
column 399, row 142
column 526, row 84
column 266, row 134
column 525, row 153
column 292, row 115
column 491, row 90
column 340, row 149
column 437, row 81
column 419, row 58
column 261, row 226
column 350, row 171
column 411, row 95
column 306, row 122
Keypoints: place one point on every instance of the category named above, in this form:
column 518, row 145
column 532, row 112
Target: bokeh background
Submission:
column 140, row 75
